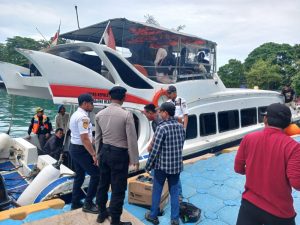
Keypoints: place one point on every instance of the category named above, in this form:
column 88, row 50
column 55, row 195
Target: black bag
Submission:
column 189, row 213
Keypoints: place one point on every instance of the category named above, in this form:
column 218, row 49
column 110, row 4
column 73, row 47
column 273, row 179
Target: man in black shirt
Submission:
column 53, row 146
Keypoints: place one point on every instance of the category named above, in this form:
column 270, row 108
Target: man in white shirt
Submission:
column 83, row 155
column 181, row 111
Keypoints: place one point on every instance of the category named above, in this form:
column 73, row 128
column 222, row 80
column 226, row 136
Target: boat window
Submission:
column 86, row 57
column 173, row 63
column 248, row 117
column 228, row 120
column 208, row 124
column 191, row 131
column 260, row 110
column 126, row 74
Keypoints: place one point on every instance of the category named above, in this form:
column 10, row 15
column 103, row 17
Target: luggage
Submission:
column 189, row 213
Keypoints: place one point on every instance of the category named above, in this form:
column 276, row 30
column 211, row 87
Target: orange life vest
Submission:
column 36, row 124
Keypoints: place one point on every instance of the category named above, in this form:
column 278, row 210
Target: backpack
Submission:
column 189, row 213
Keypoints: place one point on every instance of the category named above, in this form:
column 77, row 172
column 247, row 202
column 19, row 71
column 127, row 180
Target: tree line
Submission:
column 269, row 66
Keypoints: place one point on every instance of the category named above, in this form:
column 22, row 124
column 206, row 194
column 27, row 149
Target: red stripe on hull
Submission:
column 75, row 91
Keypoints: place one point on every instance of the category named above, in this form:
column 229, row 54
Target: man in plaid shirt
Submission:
column 166, row 160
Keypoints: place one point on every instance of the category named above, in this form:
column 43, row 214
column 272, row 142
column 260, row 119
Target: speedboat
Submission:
column 145, row 59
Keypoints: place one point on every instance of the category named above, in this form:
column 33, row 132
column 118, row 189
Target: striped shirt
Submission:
column 166, row 154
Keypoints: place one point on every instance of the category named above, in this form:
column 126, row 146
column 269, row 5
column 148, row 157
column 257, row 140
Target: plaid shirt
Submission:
column 166, row 154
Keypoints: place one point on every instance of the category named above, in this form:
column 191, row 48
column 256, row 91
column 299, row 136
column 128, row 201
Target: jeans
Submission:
column 113, row 163
column 250, row 214
column 179, row 184
column 159, row 180
column 83, row 163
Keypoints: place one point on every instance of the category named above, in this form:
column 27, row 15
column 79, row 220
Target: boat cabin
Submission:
column 164, row 56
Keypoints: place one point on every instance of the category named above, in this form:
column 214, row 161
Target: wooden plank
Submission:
column 77, row 217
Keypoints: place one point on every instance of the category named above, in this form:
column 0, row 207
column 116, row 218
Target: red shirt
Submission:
column 271, row 161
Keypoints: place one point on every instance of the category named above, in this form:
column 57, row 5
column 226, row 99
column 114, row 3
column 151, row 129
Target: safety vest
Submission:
column 36, row 124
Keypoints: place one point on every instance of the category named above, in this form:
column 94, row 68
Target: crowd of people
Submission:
column 270, row 159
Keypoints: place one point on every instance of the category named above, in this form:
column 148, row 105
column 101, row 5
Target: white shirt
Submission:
column 180, row 107
column 80, row 123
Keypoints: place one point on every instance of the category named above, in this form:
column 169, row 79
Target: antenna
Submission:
column 77, row 16
column 42, row 36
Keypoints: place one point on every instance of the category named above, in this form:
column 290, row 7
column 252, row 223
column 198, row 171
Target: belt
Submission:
column 113, row 148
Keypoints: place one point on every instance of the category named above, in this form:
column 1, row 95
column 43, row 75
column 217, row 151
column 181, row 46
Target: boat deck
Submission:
column 210, row 184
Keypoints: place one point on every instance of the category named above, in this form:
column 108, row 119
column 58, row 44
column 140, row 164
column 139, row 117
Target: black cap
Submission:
column 85, row 98
column 117, row 92
column 168, row 107
column 279, row 115
column 171, row 89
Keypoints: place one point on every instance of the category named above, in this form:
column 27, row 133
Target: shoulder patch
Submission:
column 85, row 123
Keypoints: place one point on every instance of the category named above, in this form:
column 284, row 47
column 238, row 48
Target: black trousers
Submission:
column 250, row 214
column 83, row 163
column 113, row 164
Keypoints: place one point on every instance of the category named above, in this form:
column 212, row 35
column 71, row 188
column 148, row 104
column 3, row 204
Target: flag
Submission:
column 109, row 38
column 55, row 38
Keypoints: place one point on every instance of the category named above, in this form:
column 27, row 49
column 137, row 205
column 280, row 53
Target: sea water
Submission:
column 18, row 111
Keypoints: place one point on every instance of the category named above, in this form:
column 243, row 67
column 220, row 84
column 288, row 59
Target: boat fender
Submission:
column 159, row 97
column 42, row 180
column 5, row 142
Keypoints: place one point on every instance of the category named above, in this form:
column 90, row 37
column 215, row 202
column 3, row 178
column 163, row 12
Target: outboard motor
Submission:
column 5, row 201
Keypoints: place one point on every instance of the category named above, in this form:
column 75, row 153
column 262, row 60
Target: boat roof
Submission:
column 128, row 32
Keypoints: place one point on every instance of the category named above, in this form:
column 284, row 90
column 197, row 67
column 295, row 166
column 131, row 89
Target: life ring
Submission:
column 158, row 95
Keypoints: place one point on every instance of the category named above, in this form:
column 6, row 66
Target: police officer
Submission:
column 116, row 145
column 83, row 155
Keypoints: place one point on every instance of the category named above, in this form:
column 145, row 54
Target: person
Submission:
column 53, row 146
column 41, row 126
column 166, row 160
column 152, row 115
column 289, row 95
column 117, row 148
column 181, row 115
column 204, row 66
column 181, row 107
column 83, row 155
column 62, row 119
column 271, row 162
column 162, row 69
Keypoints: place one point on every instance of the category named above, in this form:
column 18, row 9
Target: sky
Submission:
column 237, row 26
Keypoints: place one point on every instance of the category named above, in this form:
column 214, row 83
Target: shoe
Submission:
column 122, row 223
column 174, row 222
column 90, row 208
column 102, row 217
column 76, row 206
column 155, row 221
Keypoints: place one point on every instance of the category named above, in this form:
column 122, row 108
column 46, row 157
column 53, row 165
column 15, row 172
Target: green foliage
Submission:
column 264, row 74
column 9, row 54
column 283, row 55
column 296, row 78
column 232, row 74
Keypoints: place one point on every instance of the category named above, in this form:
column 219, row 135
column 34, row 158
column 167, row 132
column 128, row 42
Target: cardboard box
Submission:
column 140, row 193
